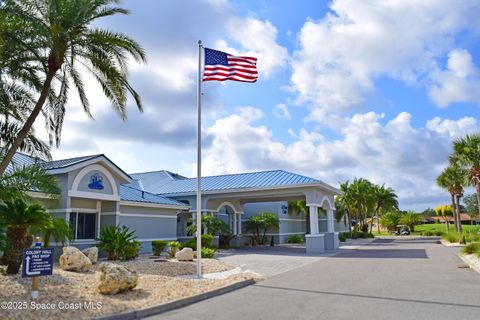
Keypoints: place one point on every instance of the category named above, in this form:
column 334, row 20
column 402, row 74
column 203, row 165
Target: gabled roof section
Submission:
column 64, row 163
column 131, row 194
column 152, row 181
column 250, row 180
column 21, row 160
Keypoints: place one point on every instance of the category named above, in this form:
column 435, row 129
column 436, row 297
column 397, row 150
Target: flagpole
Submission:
column 199, row 162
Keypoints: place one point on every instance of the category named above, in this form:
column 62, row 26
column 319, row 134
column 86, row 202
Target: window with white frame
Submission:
column 83, row 224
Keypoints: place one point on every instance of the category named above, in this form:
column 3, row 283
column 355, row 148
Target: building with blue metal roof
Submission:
column 160, row 204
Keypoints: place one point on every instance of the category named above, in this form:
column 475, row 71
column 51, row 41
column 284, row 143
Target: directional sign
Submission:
column 37, row 262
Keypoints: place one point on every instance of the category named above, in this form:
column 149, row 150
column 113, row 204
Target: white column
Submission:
column 239, row 223
column 235, row 224
column 313, row 219
column 330, row 225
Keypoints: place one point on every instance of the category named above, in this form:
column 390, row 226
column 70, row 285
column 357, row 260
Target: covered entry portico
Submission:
column 229, row 206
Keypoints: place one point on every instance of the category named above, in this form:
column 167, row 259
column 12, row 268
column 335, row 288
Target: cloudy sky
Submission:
column 375, row 89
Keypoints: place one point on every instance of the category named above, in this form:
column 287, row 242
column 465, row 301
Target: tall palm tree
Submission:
column 453, row 179
column 31, row 145
column 19, row 216
column 466, row 153
column 59, row 39
column 385, row 200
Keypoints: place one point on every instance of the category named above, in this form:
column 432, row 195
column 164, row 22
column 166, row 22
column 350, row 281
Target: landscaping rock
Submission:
column 73, row 259
column 116, row 278
column 92, row 254
column 186, row 254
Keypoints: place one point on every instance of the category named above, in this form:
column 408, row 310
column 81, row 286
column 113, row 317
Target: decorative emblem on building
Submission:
column 96, row 182
column 284, row 209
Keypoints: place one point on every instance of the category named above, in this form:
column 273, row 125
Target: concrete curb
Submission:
column 164, row 307
column 450, row 244
column 471, row 261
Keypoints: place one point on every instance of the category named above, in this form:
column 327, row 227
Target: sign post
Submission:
column 37, row 262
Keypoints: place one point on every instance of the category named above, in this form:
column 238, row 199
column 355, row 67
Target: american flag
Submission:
column 221, row 66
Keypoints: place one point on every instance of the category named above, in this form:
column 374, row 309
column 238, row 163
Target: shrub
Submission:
column 208, row 252
column 114, row 240
column 190, row 243
column 472, row 248
column 158, row 246
column 207, row 240
column 369, row 235
column 342, row 236
column 472, row 237
column 130, row 250
column 173, row 247
column 439, row 233
column 295, row 238
column 450, row 237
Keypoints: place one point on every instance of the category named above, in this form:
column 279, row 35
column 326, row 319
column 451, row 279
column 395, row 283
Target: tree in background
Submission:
column 466, row 153
column 471, row 206
column 390, row 220
column 298, row 207
column 45, row 46
column 385, row 200
column 411, row 219
column 445, row 211
column 453, row 178
column 270, row 222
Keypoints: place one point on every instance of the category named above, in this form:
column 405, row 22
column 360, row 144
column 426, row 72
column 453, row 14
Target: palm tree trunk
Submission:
column 454, row 206
column 22, row 134
column 18, row 241
column 457, row 209
column 477, row 186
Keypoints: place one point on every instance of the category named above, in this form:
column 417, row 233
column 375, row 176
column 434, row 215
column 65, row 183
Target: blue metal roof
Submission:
column 21, row 160
column 156, row 179
column 234, row 181
column 132, row 194
column 58, row 164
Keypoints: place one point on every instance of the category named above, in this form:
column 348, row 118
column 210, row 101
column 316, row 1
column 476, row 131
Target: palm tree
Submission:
column 411, row 219
column 298, row 207
column 466, row 153
column 31, row 145
column 60, row 40
column 20, row 217
column 18, row 182
column 385, row 200
column 453, row 179
column 270, row 222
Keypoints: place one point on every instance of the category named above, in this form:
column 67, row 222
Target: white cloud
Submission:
column 460, row 82
column 281, row 111
column 258, row 39
column 405, row 158
column 340, row 56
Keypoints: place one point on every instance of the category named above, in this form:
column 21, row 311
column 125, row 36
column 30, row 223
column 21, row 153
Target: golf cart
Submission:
column 402, row 230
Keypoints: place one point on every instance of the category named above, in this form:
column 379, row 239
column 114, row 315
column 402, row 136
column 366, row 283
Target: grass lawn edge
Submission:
column 175, row 304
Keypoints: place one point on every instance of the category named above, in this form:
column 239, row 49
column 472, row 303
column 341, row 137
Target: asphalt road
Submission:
column 387, row 279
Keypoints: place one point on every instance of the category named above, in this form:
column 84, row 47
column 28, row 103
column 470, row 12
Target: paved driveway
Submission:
column 387, row 279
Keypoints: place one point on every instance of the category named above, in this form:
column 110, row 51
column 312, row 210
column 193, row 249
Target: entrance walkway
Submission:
column 409, row 278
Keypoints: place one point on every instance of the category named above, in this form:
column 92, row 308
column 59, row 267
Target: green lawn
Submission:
column 441, row 227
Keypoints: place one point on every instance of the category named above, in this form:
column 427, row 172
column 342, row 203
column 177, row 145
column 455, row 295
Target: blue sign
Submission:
column 37, row 262
column 96, row 182
column 284, row 209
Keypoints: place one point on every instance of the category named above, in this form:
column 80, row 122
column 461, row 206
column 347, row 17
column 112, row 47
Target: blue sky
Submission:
column 375, row 89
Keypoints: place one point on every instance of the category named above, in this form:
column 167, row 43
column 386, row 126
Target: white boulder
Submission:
column 116, row 278
column 186, row 254
column 73, row 259
column 92, row 254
